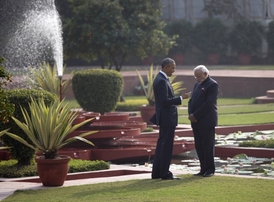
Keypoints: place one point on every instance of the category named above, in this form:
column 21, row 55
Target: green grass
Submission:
column 239, row 109
column 231, row 111
column 188, row 189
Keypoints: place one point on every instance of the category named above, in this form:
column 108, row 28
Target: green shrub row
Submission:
column 269, row 143
column 10, row 168
column 133, row 105
column 211, row 35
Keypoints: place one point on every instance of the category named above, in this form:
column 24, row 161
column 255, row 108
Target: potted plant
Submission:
column 210, row 37
column 183, row 30
column 245, row 39
column 48, row 127
column 147, row 111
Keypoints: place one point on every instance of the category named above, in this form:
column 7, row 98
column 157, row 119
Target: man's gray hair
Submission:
column 202, row 68
column 167, row 61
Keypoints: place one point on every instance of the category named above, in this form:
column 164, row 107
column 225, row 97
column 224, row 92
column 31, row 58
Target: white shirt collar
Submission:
column 164, row 74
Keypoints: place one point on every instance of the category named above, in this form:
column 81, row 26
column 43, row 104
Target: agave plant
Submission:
column 2, row 133
column 148, row 87
column 46, row 78
column 48, row 127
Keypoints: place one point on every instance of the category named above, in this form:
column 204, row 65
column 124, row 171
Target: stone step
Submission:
column 270, row 93
column 264, row 100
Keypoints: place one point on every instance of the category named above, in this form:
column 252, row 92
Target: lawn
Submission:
column 231, row 111
column 188, row 189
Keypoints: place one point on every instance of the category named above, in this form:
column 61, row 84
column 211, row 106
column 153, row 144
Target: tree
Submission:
column 6, row 108
column 230, row 8
column 114, row 30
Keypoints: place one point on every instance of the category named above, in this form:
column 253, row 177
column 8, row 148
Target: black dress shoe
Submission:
column 199, row 174
column 208, row 174
column 171, row 178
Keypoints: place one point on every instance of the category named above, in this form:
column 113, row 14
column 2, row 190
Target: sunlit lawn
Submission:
column 231, row 111
column 188, row 189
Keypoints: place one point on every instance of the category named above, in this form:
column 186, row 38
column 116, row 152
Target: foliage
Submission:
column 246, row 36
column 10, row 168
column 268, row 143
column 112, row 31
column 21, row 98
column 148, row 129
column 97, row 90
column 148, row 85
column 130, row 105
column 6, row 108
column 48, row 127
column 229, row 8
column 77, row 165
column 270, row 35
column 210, row 36
column 183, row 30
column 46, row 78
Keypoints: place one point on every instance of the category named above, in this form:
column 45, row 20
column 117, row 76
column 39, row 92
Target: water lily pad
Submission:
column 244, row 172
column 240, row 156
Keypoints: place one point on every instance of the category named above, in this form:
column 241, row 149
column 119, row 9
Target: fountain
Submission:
column 30, row 34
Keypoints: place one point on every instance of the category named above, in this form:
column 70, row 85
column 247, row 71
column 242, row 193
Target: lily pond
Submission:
column 240, row 164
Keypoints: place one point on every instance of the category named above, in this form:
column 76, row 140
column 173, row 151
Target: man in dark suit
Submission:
column 167, row 118
column 202, row 110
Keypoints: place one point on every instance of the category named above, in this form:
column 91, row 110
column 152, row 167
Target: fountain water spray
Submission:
column 30, row 34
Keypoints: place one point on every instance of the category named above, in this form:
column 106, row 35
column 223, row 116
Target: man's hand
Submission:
column 186, row 95
column 192, row 118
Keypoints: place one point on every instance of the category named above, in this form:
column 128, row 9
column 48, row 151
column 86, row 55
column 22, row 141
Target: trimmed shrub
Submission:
column 97, row 90
column 10, row 169
column 269, row 143
column 22, row 97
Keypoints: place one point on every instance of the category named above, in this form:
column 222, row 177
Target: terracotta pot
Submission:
column 52, row 172
column 146, row 113
column 213, row 58
column 244, row 59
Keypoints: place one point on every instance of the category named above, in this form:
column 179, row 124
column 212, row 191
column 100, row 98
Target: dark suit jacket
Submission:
column 166, row 112
column 203, row 103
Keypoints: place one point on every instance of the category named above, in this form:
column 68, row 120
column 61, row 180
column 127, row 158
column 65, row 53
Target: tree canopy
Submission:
column 113, row 30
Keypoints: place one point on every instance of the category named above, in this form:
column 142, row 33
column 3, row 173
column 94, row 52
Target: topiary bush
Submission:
column 22, row 97
column 97, row 90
